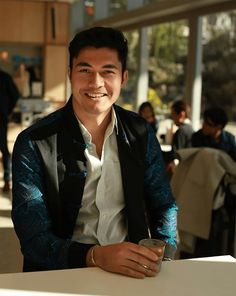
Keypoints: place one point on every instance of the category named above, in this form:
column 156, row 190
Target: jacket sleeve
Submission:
column 30, row 215
column 232, row 146
column 161, row 204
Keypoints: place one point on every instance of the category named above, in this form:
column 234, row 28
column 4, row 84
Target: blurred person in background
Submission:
column 212, row 133
column 180, row 114
column 8, row 98
column 146, row 111
column 21, row 78
column 181, row 138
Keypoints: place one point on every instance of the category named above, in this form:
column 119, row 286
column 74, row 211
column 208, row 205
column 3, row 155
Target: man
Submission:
column 212, row 133
column 8, row 98
column 88, row 180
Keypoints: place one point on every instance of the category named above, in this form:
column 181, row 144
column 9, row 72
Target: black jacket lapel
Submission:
column 132, row 169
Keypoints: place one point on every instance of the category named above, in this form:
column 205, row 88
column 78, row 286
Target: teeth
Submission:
column 95, row 95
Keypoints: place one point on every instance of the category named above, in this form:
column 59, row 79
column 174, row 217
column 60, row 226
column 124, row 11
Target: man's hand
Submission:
column 127, row 259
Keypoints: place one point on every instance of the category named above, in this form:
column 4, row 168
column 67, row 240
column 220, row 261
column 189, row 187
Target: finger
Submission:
column 144, row 263
column 146, row 267
column 152, row 266
column 132, row 272
column 150, row 273
column 148, row 270
column 158, row 251
column 141, row 253
column 138, row 272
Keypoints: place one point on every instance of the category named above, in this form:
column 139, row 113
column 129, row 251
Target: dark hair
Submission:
column 145, row 105
column 99, row 37
column 179, row 106
column 217, row 115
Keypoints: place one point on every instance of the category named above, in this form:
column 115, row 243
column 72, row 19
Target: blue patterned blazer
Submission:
column 49, row 172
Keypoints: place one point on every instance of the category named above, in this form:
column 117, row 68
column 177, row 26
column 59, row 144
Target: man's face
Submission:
column 209, row 128
column 96, row 80
column 178, row 118
column 174, row 116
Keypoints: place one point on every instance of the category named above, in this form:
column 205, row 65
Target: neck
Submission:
column 94, row 122
column 217, row 135
column 96, row 126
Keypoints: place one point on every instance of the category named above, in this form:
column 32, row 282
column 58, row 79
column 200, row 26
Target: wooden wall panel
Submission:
column 10, row 30
column 44, row 24
column 55, row 73
column 22, row 21
column 57, row 23
column 33, row 22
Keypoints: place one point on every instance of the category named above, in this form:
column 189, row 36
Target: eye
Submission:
column 108, row 72
column 84, row 70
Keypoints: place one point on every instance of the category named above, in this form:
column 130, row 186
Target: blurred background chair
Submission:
column 204, row 185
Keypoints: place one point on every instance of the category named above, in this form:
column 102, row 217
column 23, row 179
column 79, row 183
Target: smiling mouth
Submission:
column 95, row 96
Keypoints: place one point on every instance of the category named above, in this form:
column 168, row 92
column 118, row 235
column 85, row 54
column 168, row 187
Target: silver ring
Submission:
column 145, row 266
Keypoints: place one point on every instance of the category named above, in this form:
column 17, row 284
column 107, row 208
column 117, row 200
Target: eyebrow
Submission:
column 107, row 66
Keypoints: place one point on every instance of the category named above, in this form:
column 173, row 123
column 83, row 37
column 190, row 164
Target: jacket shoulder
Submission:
column 132, row 120
column 229, row 135
column 45, row 127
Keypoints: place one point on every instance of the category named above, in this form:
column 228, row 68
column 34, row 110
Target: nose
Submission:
column 96, row 80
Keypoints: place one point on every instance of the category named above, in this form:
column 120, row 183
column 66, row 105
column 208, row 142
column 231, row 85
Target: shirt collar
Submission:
column 114, row 120
column 187, row 121
column 113, row 124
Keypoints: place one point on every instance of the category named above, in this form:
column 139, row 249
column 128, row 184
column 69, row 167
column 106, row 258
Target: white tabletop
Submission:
column 177, row 278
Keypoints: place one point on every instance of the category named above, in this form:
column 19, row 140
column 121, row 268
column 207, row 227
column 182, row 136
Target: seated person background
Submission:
column 147, row 112
column 180, row 115
column 182, row 137
column 212, row 133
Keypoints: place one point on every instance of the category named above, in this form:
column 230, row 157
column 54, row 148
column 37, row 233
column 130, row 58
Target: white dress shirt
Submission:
column 101, row 218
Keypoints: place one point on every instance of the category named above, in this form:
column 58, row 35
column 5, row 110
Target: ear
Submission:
column 124, row 78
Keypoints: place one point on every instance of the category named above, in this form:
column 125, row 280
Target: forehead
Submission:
column 209, row 122
column 147, row 109
column 98, row 56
